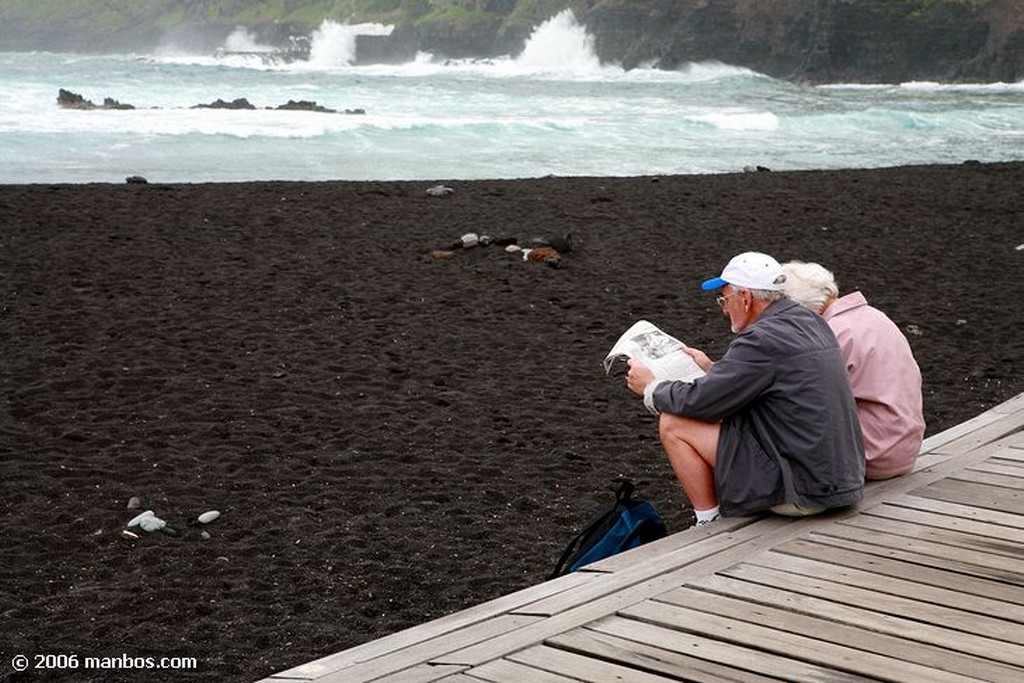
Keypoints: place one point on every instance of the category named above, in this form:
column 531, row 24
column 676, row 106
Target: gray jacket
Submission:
column 789, row 422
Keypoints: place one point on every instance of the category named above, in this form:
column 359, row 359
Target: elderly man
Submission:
column 885, row 377
column 773, row 424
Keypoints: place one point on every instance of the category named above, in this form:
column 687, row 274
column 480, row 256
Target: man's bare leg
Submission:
column 692, row 449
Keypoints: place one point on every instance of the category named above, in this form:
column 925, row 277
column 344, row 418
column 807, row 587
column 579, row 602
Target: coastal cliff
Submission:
column 822, row 41
column 813, row 41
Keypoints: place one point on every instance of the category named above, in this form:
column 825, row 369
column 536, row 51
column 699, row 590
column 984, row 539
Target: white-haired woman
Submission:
column 885, row 377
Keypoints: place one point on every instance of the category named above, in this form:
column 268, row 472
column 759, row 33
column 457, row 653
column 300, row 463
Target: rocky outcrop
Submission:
column 307, row 105
column 72, row 100
column 290, row 105
column 237, row 103
column 823, row 41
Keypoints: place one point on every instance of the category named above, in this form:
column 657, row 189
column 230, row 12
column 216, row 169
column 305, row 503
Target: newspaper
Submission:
column 661, row 352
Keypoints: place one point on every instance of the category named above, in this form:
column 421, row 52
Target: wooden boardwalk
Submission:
column 922, row 581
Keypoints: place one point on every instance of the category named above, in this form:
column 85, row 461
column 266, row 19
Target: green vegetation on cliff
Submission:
column 118, row 15
column 99, row 25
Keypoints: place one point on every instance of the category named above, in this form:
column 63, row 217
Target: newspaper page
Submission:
column 661, row 352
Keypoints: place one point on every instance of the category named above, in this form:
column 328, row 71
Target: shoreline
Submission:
column 143, row 180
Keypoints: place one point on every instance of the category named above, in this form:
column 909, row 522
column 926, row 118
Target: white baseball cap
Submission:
column 750, row 270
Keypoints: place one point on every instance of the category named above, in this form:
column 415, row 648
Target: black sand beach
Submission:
column 389, row 436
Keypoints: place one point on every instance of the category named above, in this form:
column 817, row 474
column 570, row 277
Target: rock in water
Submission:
column 305, row 105
column 239, row 103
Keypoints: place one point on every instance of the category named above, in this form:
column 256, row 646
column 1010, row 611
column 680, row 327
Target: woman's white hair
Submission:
column 809, row 284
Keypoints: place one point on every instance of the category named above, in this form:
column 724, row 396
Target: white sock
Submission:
column 707, row 515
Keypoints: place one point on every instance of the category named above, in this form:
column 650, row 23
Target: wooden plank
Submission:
column 795, row 647
column 1000, row 563
column 423, row 673
column 924, row 461
column 946, row 464
column 507, row 671
column 669, row 544
column 657, row 654
column 979, row 477
column 977, row 495
column 429, row 630
column 910, row 630
column 1011, row 405
column 993, row 424
column 900, row 565
column 1014, row 441
column 583, row 668
column 950, row 537
column 740, row 660
column 1013, row 455
column 414, row 655
column 1005, row 466
column 887, row 603
column 937, row 520
column 950, row 509
column 825, row 627
column 904, row 587
column 858, row 542
column 987, row 431
column 935, row 615
column 937, row 441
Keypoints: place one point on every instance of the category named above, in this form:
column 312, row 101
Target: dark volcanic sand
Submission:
column 392, row 437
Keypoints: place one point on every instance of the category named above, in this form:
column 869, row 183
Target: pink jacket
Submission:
column 886, row 384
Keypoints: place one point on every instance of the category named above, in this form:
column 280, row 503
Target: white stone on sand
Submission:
column 209, row 516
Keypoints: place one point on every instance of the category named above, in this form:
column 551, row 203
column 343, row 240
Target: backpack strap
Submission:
column 623, row 498
column 625, row 493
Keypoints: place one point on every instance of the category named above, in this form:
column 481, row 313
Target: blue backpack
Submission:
column 626, row 523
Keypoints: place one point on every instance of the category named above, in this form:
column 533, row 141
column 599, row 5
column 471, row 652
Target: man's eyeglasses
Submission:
column 722, row 299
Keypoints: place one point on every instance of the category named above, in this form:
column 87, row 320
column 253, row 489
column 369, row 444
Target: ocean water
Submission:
column 553, row 110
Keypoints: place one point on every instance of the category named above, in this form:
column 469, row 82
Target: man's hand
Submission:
column 638, row 377
column 700, row 357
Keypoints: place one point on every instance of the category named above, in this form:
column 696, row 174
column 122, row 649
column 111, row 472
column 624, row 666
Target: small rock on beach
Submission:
column 152, row 523
column 137, row 519
column 209, row 516
column 440, row 191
